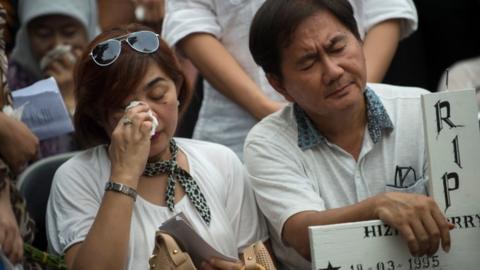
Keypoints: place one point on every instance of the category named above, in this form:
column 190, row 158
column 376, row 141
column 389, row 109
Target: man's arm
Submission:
column 416, row 217
column 380, row 45
column 224, row 73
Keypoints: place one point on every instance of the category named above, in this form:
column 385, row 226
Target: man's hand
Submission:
column 417, row 218
column 11, row 242
column 19, row 145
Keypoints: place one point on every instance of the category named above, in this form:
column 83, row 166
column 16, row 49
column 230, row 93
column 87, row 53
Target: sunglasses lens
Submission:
column 106, row 52
column 143, row 41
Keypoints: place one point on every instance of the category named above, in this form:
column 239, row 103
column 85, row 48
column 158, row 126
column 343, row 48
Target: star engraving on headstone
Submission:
column 330, row 267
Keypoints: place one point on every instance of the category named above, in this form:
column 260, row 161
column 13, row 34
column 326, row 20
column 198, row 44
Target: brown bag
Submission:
column 257, row 257
column 167, row 255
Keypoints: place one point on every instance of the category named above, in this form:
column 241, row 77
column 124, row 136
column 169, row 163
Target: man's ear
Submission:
column 277, row 84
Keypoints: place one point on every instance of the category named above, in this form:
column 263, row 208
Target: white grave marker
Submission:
column 452, row 135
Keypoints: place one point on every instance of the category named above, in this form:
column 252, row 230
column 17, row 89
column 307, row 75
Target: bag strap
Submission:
column 249, row 258
column 174, row 251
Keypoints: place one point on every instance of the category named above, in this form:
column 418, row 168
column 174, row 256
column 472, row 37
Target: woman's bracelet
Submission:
column 121, row 188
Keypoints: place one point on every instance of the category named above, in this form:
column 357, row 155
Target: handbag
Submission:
column 257, row 257
column 167, row 255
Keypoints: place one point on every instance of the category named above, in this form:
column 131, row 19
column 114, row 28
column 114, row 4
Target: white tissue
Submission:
column 55, row 54
column 140, row 13
column 154, row 119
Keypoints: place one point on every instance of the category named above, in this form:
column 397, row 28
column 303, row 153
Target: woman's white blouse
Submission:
column 78, row 188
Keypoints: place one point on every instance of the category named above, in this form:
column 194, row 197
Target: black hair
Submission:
column 276, row 21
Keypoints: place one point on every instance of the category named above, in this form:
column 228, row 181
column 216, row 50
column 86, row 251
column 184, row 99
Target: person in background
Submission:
column 213, row 34
column 18, row 146
column 382, row 25
column 94, row 215
column 51, row 37
column 119, row 12
column 462, row 75
column 332, row 155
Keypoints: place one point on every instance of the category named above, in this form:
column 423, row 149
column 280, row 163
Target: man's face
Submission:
column 323, row 68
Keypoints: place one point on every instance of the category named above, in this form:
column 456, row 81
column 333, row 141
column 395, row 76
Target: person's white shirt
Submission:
column 462, row 75
column 220, row 119
column 288, row 179
column 79, row 184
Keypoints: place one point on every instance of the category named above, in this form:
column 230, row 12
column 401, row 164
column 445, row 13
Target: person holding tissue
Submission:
column 107, row 202
column 51, row 37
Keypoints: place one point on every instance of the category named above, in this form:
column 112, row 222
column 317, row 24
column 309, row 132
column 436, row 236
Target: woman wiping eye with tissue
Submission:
column 107, row 202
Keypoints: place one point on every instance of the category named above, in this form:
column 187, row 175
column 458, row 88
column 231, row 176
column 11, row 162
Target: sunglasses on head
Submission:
column 106, row 52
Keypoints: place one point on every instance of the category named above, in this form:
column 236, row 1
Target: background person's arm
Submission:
column 224, row 73
column 385, row 23
column 18, row 144
column 11, row 242
column 115, row 12
column 380, row 45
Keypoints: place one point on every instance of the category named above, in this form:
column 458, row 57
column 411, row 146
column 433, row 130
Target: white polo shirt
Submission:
column 293, row 168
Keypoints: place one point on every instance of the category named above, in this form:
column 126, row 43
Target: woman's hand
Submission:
column 218, row 264
column 130, row 145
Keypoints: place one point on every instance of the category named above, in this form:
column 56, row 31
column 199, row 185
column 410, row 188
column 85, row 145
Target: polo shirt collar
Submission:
column 377, row 118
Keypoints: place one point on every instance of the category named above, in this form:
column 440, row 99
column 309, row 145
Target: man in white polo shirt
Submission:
column 343, row 150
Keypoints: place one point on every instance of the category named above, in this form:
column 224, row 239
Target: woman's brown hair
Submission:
column 99, row 90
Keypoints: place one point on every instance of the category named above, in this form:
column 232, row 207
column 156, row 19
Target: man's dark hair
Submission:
column 276, row 21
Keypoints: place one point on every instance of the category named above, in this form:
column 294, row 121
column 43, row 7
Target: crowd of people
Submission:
column 295, row 127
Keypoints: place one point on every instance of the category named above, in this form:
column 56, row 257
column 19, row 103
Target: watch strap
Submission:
column 121, row 188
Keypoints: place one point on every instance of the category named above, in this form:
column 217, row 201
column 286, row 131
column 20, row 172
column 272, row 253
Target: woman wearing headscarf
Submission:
column 51, row 37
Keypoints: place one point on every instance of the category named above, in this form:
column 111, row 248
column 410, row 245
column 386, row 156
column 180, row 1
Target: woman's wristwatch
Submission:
column 121, row 188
